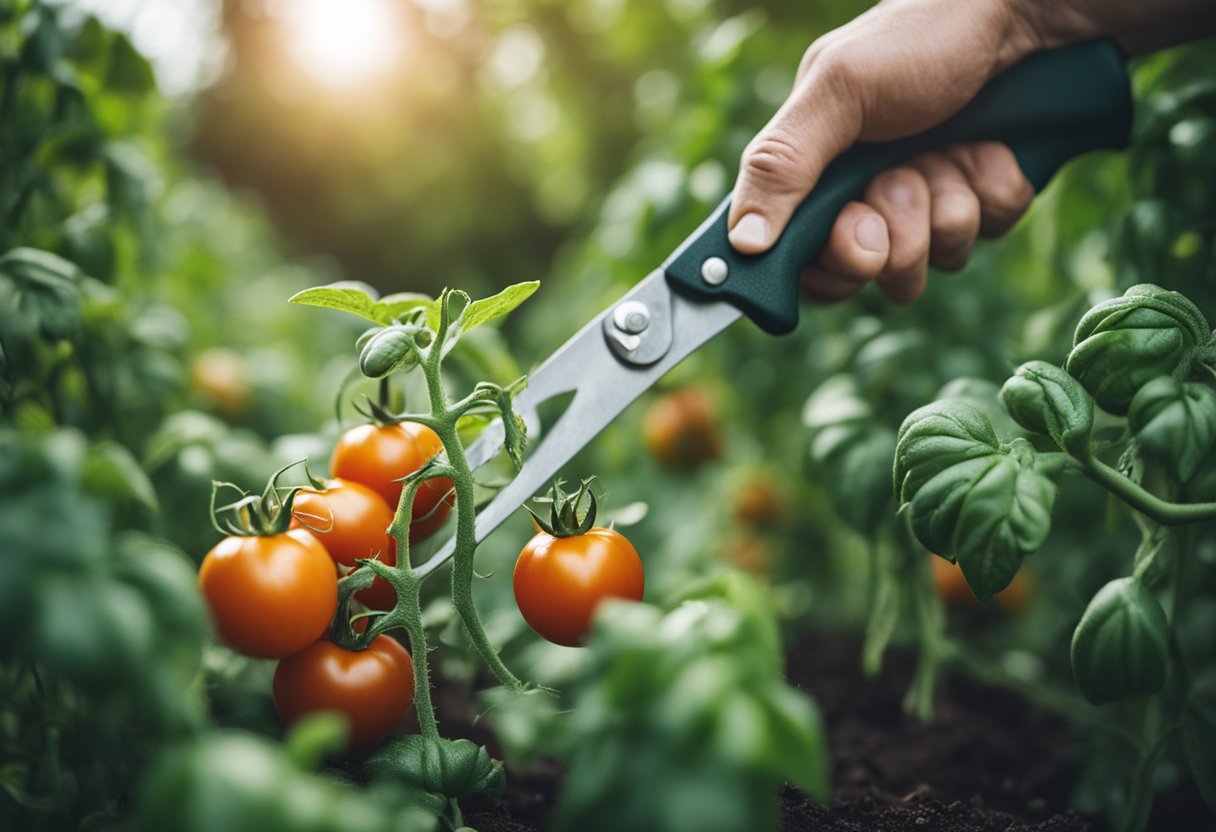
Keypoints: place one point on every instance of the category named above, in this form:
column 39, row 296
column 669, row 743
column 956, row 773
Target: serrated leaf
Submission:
column 345, row 299
column 487, row 309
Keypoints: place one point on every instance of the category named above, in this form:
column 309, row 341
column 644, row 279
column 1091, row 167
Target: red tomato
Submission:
column 270, row 596
column 380, row 456
column 373, row 688
column 350, row 519
column 559, row 581
column 681, row 431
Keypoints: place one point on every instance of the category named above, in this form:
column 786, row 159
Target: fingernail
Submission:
column 871, row 234
column 750, row 232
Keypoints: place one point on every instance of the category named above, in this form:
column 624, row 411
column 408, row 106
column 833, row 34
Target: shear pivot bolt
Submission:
column 714, row 271
column 631, row 317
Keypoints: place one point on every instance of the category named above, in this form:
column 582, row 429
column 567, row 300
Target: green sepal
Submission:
column 564, row 519
column 1121, row 645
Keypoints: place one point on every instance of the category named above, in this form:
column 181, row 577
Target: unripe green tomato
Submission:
column 1175, row 423
column 1125, row 342
column 388, row 350
column 1120, row 647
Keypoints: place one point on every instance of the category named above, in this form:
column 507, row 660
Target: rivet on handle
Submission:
column 714, row 271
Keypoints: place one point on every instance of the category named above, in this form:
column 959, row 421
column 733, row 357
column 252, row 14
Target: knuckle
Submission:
column 956, row 218
column 774, row 158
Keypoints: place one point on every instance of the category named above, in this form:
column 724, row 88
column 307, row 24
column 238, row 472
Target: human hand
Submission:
column 896, row 70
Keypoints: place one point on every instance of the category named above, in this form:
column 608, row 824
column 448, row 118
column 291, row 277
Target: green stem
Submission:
column 462, row 564
column 1163, row 511
column 409, row 604
column 931, row 636
column 445, row 418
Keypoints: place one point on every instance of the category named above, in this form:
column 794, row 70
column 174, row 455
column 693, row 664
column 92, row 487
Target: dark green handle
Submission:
column 1049, row 108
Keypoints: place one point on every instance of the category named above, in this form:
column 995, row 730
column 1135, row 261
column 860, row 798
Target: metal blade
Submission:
column 604, row 377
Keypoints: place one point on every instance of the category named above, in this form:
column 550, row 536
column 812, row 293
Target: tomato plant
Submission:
column 570, row 567
column 372, row 688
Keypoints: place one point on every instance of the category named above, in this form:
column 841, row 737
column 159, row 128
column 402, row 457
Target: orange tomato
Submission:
column 952, row 588
column 379, row 456
column 559, row 581
column 349, row 519
column 270, row 596
column 680, row 430
column 373, row 688
column 758, row 502
column 223, row 377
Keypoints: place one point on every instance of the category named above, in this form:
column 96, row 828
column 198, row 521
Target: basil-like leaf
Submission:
column 345, row 298
column 1175, row 422
column 1123, row 343
column 1120, row 647
column 971, row 499
column 848, row 440
column 1044, row 399
column 456, row 769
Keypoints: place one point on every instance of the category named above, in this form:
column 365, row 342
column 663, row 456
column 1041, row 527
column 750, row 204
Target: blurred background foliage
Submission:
column 155, row 219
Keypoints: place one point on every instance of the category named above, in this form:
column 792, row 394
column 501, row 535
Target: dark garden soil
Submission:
column 988, row 763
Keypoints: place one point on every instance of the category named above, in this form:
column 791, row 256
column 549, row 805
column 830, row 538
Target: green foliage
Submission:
column 1120, row 648
column 1044, row 399
column 1175, row 423
column 684, row 722
column 1198, row 732
column 231, row 782
column 441, row 768
column 846, row 438
column 970, row 498
column 1123, row 343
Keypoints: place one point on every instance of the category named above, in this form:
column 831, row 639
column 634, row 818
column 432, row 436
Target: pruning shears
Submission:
column 1049, row 108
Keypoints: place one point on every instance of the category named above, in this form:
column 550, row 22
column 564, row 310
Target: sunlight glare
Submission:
column 341, row 43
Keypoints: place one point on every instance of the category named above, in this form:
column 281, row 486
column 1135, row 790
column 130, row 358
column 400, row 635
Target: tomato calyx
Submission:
column 564, row 519
column 342, row 630
column 255, row 515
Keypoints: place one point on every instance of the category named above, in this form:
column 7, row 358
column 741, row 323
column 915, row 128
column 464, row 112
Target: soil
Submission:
column 987, row 763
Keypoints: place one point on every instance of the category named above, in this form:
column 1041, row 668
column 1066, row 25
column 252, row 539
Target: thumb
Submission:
column 783, row 162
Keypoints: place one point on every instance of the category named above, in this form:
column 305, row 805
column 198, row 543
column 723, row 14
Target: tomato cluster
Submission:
column 273, row 591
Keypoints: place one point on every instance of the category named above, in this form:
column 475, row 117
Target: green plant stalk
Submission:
column 445, row 418
column 407, row 612
column 1162, row 511
column 931, row 635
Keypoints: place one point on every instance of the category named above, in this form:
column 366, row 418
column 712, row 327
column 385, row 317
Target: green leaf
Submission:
column 1175, row 422
column 345, row 299
column 401, row 302
column 970, row 499
column 128, row 71
column 1121, row 645
column 487, row 309
column 801, row 751
column 1044, row 399
column 45, row 289
column 110, row 470
column 846, row 439
column 1123, row 343
column 936, row 436
column 456, row 769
